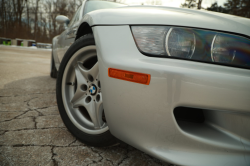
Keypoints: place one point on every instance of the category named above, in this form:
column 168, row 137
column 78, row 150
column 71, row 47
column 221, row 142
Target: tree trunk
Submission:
column 36, row 12
column 28, row 17
column 199, row 4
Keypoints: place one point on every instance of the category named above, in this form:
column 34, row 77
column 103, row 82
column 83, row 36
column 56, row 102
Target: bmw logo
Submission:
column 92, row 90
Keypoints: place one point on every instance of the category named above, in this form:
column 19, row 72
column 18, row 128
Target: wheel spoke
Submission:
column 92, row 72
column 81, row 79
column 79, row 94
column 78, row 98
column 99, row 109
column 94, row 109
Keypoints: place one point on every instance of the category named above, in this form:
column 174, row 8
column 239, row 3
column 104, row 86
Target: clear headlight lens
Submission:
column 230, row 49
column 149, row 38
column 193, row 44
column 180, row 43
column 220, row 51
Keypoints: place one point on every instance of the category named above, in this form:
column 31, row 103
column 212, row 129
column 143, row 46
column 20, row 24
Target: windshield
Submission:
column 95, row 5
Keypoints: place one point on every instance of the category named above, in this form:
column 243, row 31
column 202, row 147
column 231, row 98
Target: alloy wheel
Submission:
column 81, row 92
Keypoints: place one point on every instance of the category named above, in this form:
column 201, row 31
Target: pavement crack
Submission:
column 97, row 153
column 3, row 132
column 46, row 107
column 34, row 119
column 38, row 128
column 28, row 104
column 39, row 113
column 72, row 142
column 52, row 128
column 124, row 158
column 30, row 99
column 21, row 114
column 22, row 145
column 110, row 161
column 15, row 116
column 52, row 156
column 91, row 163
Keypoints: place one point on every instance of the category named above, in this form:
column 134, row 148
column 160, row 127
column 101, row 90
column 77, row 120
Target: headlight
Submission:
column 180, row 43
column 150, row 38
column 193, row 44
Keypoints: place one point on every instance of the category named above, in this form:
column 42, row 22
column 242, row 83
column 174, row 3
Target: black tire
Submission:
column 53, row 71
column 104, row 139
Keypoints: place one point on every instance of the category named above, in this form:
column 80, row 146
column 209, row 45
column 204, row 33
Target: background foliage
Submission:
column 35, row 19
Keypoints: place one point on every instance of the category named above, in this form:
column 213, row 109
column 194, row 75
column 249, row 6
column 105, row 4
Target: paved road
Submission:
column 31, row 130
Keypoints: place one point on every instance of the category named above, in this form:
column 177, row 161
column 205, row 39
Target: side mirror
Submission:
column 62, row 19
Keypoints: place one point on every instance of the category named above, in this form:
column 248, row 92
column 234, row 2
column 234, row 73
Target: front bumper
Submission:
column 142, row 115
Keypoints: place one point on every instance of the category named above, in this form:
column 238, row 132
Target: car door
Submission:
column 68, row 36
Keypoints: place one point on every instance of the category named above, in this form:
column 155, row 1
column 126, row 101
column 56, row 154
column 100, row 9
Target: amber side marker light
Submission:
column 129, row 76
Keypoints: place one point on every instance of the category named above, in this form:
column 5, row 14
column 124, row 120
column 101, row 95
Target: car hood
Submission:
column 158, row 15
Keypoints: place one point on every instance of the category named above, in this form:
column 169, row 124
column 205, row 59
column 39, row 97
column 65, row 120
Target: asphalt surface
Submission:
column 31, row 130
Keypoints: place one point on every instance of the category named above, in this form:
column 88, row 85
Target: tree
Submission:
column 35, row 19
column 192, row 4
column 238, row 7
column 189, row 4
column 234, row 7
column 199, row 4
column 214, row 7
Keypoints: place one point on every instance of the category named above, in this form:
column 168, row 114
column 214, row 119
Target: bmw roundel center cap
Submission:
column 92, row 90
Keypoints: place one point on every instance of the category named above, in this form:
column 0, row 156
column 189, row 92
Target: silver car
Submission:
column 172, row 82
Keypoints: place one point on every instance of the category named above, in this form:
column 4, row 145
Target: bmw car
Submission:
column 171, row 82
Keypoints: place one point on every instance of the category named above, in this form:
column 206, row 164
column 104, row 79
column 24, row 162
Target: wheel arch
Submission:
column 83, row 29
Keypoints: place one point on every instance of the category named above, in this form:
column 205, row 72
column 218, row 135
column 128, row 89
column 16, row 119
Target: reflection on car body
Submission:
column 171, row 82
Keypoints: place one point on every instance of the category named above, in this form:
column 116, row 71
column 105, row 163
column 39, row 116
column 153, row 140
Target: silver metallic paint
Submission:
column 54, row 52
column 142, row 115
column 68, row 36
column 61, row 19
column 152, row 15
column 141, row 15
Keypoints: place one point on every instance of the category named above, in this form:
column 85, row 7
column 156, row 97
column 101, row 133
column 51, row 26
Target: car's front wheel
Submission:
column 79, row 95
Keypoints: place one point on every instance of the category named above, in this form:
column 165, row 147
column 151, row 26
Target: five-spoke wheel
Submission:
column 81, row 89
column 79, row 94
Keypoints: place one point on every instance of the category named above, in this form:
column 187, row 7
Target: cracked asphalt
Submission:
column 31, row 129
